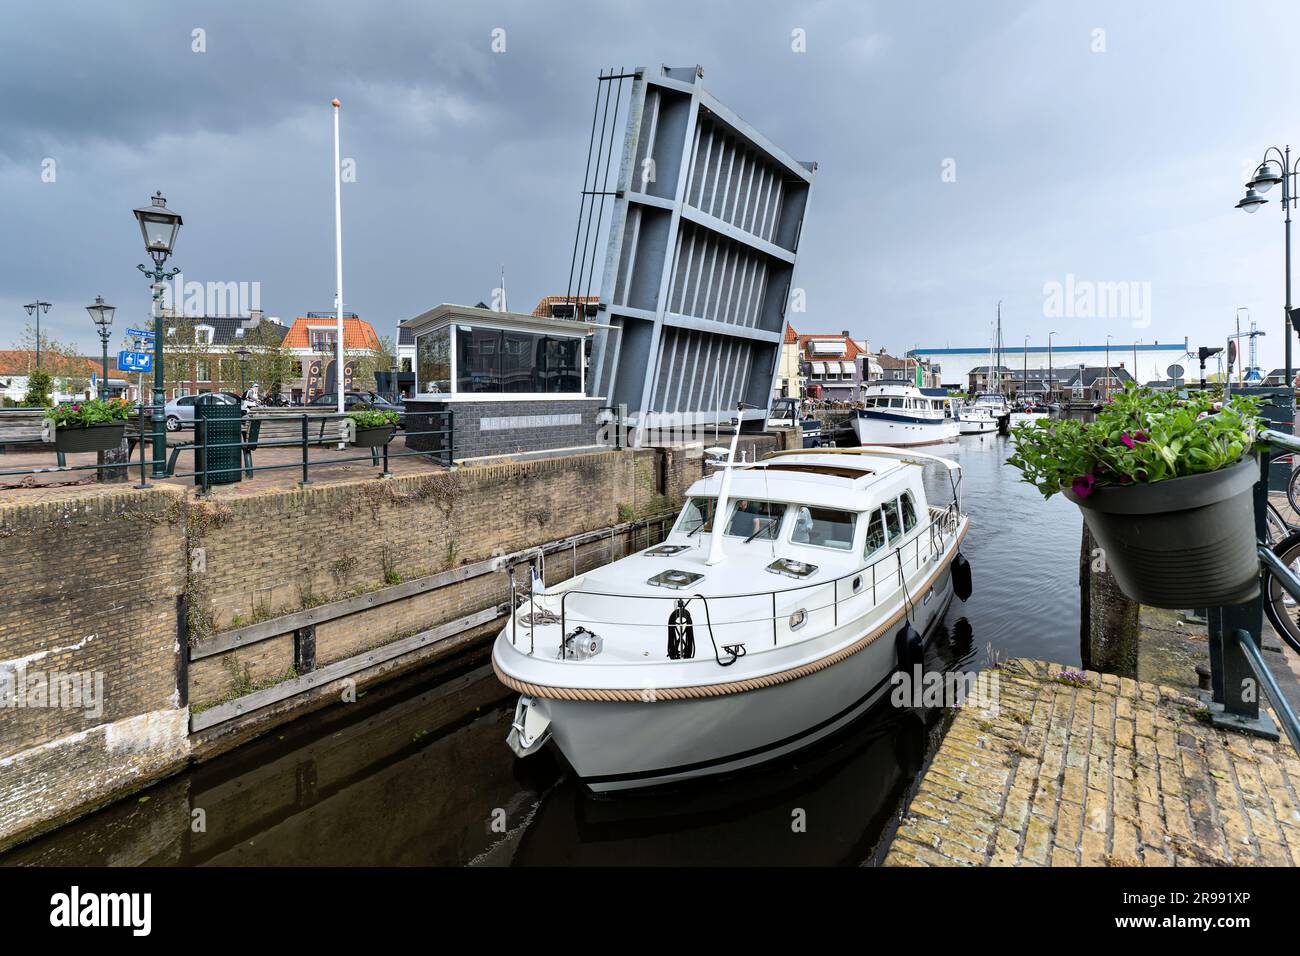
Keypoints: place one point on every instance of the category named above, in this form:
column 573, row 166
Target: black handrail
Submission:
column 443, row 455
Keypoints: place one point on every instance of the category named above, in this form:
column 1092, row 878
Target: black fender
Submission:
column 961, row 577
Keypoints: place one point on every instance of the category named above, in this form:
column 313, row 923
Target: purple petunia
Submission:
column 1083, row 485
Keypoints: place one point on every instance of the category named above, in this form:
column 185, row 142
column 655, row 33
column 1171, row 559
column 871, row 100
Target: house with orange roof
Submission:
column 312, row 340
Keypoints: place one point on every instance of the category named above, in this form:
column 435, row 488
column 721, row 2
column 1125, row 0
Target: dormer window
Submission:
column 203, row 335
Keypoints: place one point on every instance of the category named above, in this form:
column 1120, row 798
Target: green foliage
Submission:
column 92, row 411
column 372, row 418
column 1143, row 436
column 38, row 389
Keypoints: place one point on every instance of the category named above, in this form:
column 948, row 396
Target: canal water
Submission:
column 417, row 772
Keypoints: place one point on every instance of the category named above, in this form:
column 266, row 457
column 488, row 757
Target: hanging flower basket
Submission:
column 91, row 425
column 373, row 428
column 1182, row 543
column 373, row 437
column 1166, row 487
column 79, row 438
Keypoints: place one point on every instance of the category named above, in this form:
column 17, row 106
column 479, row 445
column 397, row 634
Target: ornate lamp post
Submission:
column 38, row 308
column 101, row 313
column 243, row 353
column 395, row 390
column 1268, row 174
column 159, row 226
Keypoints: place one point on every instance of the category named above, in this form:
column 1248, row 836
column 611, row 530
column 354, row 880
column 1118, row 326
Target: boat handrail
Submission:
column 943, row 521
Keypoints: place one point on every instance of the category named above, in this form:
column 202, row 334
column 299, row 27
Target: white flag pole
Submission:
column 338, row 263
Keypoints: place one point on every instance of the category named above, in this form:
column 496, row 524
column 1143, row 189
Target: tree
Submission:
column 38, row 389
column 60, row 359
column 270, row 364
column 366, row 363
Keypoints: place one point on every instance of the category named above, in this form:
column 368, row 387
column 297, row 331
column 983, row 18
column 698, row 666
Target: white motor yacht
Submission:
column 900, row 414
column 774, row 612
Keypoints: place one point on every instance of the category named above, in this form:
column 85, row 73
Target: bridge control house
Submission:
column 515, row 383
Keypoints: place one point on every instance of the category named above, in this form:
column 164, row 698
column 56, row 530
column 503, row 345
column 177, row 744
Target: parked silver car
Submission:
column 180, row 411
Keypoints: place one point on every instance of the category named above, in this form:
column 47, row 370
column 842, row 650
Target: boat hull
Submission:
column 624, row 745
column 977, row 426
column 901, row 432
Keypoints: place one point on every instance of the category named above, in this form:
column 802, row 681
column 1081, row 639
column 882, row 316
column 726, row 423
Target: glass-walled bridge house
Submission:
column 515, row 384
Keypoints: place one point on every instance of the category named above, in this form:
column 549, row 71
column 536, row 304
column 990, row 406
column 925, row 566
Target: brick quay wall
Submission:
column 141, row 590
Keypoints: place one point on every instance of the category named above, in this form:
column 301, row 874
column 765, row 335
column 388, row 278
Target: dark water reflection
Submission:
column 418, row 773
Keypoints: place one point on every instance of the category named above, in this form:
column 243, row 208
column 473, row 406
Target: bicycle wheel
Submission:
column 1293, row 490
column 1275, row 527
column 1282, row 610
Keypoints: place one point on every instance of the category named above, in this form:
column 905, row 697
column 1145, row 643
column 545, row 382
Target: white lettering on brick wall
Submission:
column 506, row 422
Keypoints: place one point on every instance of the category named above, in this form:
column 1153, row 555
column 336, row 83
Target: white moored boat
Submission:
column 736, row 641
column 900, row 414
column 984, row 415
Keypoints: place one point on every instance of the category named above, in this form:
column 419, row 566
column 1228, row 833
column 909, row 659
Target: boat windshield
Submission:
column 824, row 528
column 697, row 515
column 755, row 519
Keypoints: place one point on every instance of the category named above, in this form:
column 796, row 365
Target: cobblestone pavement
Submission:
column 1076, row 768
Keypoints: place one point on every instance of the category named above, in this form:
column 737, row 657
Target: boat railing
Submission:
column 915, row 550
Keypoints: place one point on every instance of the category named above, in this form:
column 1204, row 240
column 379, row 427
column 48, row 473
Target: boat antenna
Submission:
column 719, row 514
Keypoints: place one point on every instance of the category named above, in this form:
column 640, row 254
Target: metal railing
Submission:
column 313, row 432
column 925, row 543
column 1237, row 665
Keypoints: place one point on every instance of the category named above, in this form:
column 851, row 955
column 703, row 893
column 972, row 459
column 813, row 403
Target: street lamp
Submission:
column 1268, row 174
column 243, row 353
column 394, row 370
column 1051, row 378
column 101, row 313
column 1108, row 338
column 159, row 226
column 38, row 308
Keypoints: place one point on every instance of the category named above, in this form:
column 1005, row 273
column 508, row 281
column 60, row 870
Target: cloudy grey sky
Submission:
column 1112, row 156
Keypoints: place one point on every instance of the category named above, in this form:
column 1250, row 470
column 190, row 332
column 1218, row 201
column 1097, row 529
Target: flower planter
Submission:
column 1182, row 543
column 374, row 437
column 71, row 440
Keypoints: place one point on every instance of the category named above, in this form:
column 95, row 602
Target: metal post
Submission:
column 305, row 480
column 159, row 439
column 144, row 483
column 201, row 423
column 103, row 383
column 1286, row 317
column 1235, row 688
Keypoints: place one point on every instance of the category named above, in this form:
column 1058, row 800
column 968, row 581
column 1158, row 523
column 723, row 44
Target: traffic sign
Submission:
column 1175, row 371
column 139, row 334
column 135, row 361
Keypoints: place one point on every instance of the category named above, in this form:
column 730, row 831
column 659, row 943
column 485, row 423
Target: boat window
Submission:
column 891, row 520
column 697, row 515
column 824, row 528
column 875, row 534
column 755, row 519
column 909, row 511
column 895, row 403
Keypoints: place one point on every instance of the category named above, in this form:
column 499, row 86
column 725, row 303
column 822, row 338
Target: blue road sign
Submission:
column 135, row 361
column 139, row 334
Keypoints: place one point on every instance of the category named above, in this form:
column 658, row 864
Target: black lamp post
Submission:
column 38, row 308
column 1268, row 174
column 101, row 313
column 159, row 226
column 243, row 354
column 396, row 391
